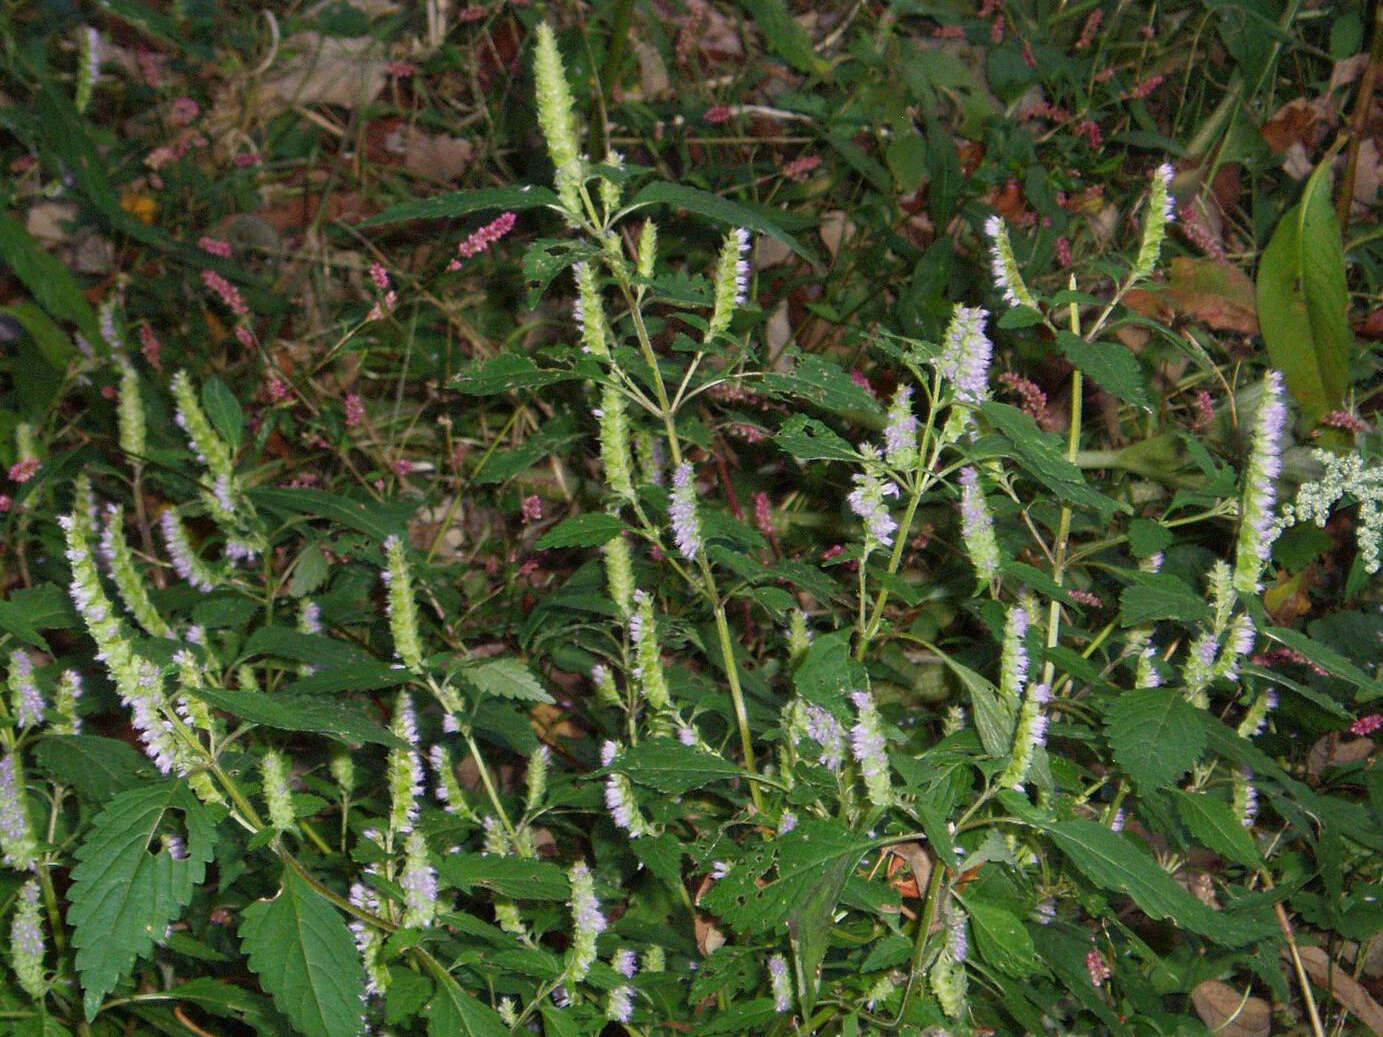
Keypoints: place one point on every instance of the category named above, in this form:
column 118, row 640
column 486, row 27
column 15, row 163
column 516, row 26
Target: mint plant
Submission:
column 951, row 735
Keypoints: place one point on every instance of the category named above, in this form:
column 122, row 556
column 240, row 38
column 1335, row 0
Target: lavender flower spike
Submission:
column 965, row 355
column 867, row 501
column 587, row 922
column 900, row 434
column 26, row 942
column 868, row 746
column 1007, row 277
column 28, row 701
column 17, row 843
column 782, row 987
column 977, row 527
column 686, row 530
column 1260, row 489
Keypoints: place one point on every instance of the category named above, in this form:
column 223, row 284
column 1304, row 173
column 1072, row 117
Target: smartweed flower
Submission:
column 17, row 842
column 778, row 980
column 1160, row 212
column 26, row 942
column 403, row 612
column 867, row 745
column 587, row 923
column 1260, row 487
column 483, row 237
column 419, row 884
column 1007, row 277
column 26, row 699
column 555, row 117
column 731, row 285
column 977, row 527
column 900, row 434
column 686, row 530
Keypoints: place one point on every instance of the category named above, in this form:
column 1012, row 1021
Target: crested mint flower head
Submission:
column 977, row 527
column 26, row 942
column 867, row 501
column 1256, row 522
column 686, row 531
column 900, row 434
column 587, row 922
column 555, row 116
column 1160, row 212
column 867, row 745
column 1007, row 277
column 731, row 287
column 965, row 355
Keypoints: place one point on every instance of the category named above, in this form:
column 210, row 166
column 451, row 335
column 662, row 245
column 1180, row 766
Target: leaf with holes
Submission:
column 303, row 953
column 126, row 888
column 1155, row 734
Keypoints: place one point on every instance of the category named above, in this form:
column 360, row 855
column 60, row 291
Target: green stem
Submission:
column 489, row 784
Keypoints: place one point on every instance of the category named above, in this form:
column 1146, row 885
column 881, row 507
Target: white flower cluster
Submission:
column 1345, row 476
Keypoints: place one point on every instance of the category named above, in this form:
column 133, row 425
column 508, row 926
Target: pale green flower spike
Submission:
column 537, row 777
column 1031, row 733
column 648, row 665
column 731, row 286
column 130, row 414
column 654, row 958
column 589, row 313
column 26, row 942
column 610, row 191
column 1013, row 657
column 948, row 981
column 65, row 703
column 403, row 613
column 342, row 768
column 88, row 593
column 648, row 248
column 274, row 773
column 1222, row 594
column 128, row 582
column 25, row 447
column 799, row 635
column 614, row 443
column 210, row 449
column 619, row 575
column 1007, row 277
column 1160, row 212
column 650, row 453
column 555, row 117
column 88, row 66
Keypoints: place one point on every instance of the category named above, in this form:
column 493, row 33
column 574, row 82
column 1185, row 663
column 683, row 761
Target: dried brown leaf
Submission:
column 1229, row 1013
column 337, row 70
column 1343, row 987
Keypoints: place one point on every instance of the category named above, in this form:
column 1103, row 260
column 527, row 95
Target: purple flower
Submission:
column 185, row 562
column 1260, row 491
column 787, row 822
column 419, row 883
column 867, row 501
column 977, row 526
column 621, row 1007
column 778, row 978
column 686, row 530
column 741, row 236
column 626, row 962
column 16, row 837
column 619, row 799
column 955, row 932
column 28, row 702
column 826, row 731
column 900, row 434
column 868, row 747
column 965, row 355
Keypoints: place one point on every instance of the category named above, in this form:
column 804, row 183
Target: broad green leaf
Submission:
column 54, row 343
column 315, row 649
column 45, row 607
column 827, row 671
column 1153, row 596
column 785, row 36
column 662, row 856
column 544, row 260
column 332, row 717
column 47, row 280
column 505, row 372
column 1041, row 455
column 459, row 203
column 1001, row 938
column 364, row 676
column 1154, row 734
column 376, row 520
column 96, row 767
column 810, row 440
column 823, row 383
column 589, row 530
column 1215, row 825
column 518, row 877
column 752, row 900
column 300, row 948
column 809, row 923
column 408, row 994
column 1146, row 537
column 18, row 622
column 714, row 207
column 310, row 571
column 455, row 1013
column 743, row 1018
column 127, row 887
column 1303, row 300
column 223, row 411
column 669, row 766
column 1118, row 862
column 506, row 679
column 1108, row 364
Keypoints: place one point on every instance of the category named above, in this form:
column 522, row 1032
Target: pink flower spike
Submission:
column 355, row 410
column 717, row 114
column 23, row 471
column 215, row 246
column 1366, row 725
column 185, row 111
column 482, row 238
column 379, row 276
column 401, row 69
column 229, row 294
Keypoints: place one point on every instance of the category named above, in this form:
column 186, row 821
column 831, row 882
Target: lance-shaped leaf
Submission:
column 128, row 887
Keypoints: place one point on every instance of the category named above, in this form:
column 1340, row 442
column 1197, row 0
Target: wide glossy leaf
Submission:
column 128, row 887
column 314, row 649
column 1154, row 734
column 1042, row 455
column 54, row 343
column 810, row 440
column 714, row 207
column 299, row 946
column 376, row 520
column 824, row 384
column 459, row 203
column 1109, row 365
column 1303, row 301
column 1001, row 938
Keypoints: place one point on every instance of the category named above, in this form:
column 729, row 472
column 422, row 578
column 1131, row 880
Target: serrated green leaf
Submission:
column 669, row 766
column 1154, row 734
column 505, row 372
column 506, row 679
column 1146, row 537
column 15, row 621
column 455, row 1013
column 459, row 203
column 314, row 649
column 1016, row 317
column 378, row 520
column 808, row 439
column 1109, row 365
column 544, row 260
column 662, row 856
column 589, row 530
column 1001, row 938
column 309, row 572
column 1303, row 300
column 1153, row 596
column 824, row 384
column 300, row 948
column 54, row 343
column 1117, row 862
column 223, row 411
column 753, row 902
column 518, row 877
column 370, row 676
column 714, row 207
column 1217, row 828
column 50, row 283
column 285, row 711
column 557, row 1022
column 407, row 995
column 123, row 896
column 1041, row 455
column 96, row 767
column 1323, row 655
